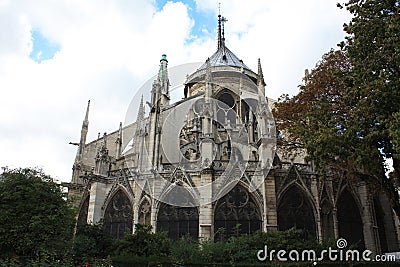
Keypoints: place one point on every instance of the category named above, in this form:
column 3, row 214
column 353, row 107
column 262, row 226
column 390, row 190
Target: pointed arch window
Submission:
column 176, row 220
column 118, row 217
column 295, row 211
column 236, row 208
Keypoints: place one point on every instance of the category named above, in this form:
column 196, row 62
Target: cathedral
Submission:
column 209, row 164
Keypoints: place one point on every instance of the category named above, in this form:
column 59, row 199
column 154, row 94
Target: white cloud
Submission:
column 109, row 48
column 288, row 36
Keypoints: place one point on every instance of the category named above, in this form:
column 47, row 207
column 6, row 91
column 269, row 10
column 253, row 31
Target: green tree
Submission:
column 346, row 113
column 325, row 120
column 316, row 119
column 394, row 132
column 373, row 46
column 35, row 218
column 91, row 241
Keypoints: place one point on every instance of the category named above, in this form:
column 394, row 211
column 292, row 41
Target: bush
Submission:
column 91, row 241
column 214, row 252
column 186, row 250
column 147, row 247
column 143, row 243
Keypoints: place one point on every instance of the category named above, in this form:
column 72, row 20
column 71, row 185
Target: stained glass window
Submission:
column 236, row 211
column 118, row 217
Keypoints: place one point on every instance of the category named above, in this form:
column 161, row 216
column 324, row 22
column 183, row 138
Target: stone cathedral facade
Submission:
column 209, row 162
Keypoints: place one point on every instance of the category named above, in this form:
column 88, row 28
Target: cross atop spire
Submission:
column 221, row 29
column 223, row 56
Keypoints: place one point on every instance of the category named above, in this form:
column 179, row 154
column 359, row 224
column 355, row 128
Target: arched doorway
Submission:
column 295, row 211
column 237, row 208
column 349, row 220
column 118, row 217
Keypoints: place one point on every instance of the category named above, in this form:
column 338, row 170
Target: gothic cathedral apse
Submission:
column 210, row 161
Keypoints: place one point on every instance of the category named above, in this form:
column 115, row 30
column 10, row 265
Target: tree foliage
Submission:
column 238, row 250
column 346, row 114
column 316, row 118
column 35, row 218
column 373, row 46
column 91, row 240
column 143, row 243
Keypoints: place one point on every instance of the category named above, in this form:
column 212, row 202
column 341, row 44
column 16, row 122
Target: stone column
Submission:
column 154, row 212
column 367, row 218
column 335, row 222
column 389, row 221
column 206, row 216
column 135, row 216
column 271, row 218
column 315, row 195
column 96, row 201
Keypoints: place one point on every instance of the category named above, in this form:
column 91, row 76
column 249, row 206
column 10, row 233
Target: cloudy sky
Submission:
column 56, row 55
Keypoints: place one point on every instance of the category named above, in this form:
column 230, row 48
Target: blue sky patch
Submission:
column 42, row 48
column 204, row 23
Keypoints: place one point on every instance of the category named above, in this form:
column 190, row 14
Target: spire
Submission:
column 163, row 76
column 260, row 72
column 160, row 90
column 119, row 141
column 223, row 20
column 221, row 29
column 219, row 32
column 105, row 140
column 84, row 130
column 120, row 132
column 87, row 112
column 141, row 112
column 260, row 78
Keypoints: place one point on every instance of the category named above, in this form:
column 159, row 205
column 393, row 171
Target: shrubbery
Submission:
column 91, row 241
column 37, row 222
column 143, row 243
column 147, row 247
